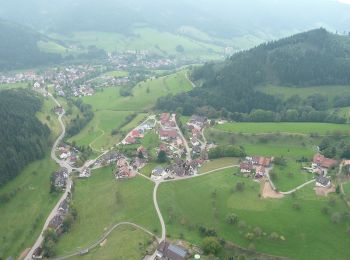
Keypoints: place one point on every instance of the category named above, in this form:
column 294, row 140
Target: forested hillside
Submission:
column 315, row 57
column 23, row 138
column 19, row 49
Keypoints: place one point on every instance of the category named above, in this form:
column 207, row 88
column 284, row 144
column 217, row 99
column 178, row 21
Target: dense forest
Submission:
column 18, row 48
column 231, row 88
column 23, row 138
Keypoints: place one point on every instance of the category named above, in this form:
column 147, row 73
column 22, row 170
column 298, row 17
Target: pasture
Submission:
column 286, row 92
column 290, row 176
column 292, row 146
column 301, row 234
column 102, row 202
column 146, row 39
column 123, row 243
column 218, row 163
column 288, row 128
column 145, row 94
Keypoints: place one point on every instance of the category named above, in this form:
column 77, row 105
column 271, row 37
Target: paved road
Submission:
column 188, row 151
column 162, row 238
column 40, row 239
column 297, row 188
column 100, row 240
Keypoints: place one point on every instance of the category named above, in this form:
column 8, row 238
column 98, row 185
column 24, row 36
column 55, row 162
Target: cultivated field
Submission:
column 301, row 233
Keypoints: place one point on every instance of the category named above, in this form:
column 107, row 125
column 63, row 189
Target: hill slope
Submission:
column 306, row 59
column 23, row 137
column 19, row 47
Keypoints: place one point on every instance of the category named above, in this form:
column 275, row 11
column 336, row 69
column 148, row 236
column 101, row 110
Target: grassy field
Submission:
column 291, row 128
column 52, row 47
column 32, row 200
column 218, row 163
column 286, row 92
column 13, row 85
column 145, row 39
column 124, row 243
column 206, row 201
column 116, row 73
column 145, row 94
column 101, row 202
column 290, row 176
column 111, row 109
column 289, row 146
column 98, row 132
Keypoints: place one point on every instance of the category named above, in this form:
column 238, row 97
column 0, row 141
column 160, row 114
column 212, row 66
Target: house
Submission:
column 85, row 173
column 323, row 161
column 261, row 161
column 63, row 207
column 164, row 118
column 143, row 151
column 136, row 134
column 56, row 222
column 169, row 251
column 322, row 181
column 129, row 140
column 246, row 167
column 158, row 171
column 167, row 134
column 59, row 178
column 38, row 253
column 58, row 110
column 260, row 172
column 198, row 120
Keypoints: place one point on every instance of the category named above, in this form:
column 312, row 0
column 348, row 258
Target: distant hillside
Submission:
column 19, row 48
column 315, row 57
column 23, row 138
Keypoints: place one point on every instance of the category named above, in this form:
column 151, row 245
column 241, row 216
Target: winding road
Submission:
column 63, row 164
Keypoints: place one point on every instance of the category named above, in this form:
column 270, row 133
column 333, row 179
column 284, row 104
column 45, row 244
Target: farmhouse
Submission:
column 262, row 161
column 158, row 171
column 56, row 222
column 167, row 134
column 169, row 251
column 246, row 167
column 59, row 178
column 85, row 173
column 322, row 181
column 196, row 120
column 129, row 140
column 323, row 161
column 164, row 118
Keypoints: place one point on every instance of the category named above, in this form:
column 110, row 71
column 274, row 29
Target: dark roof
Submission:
column 323, row 180
column 177, row 250
column 172, row 252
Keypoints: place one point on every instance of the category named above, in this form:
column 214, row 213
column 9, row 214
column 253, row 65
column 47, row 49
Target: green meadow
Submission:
column 289, row 128
column 218, row 163
column 286, row 92
column 289, row 146
column 13, row 85
column 290, row 176
column 111, row 109
column 145, row 39
column 102, row 202
column 123, row 243
column 145, row 94
column 303, row 233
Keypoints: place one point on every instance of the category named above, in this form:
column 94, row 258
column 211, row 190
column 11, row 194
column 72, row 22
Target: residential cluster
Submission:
column 196, row 125
column 138, row 133
column 59, row 179
column 256, row 166
column 67, row 153
column 320, row 166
